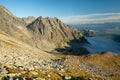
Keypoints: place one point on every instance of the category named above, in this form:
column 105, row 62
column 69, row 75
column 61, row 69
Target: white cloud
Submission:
column 92, row 18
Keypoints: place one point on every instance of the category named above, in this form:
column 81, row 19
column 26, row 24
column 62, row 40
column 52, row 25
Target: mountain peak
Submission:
column 28, row 19
column 49, row 18
column 53, row 31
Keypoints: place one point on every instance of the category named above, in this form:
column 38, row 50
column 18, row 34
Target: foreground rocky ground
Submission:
column 102, row 66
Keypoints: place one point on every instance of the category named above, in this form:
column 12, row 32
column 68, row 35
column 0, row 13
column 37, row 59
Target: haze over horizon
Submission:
column 71, row 12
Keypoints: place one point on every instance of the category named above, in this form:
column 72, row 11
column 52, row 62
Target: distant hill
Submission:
column 99, row 27
column 109, row 30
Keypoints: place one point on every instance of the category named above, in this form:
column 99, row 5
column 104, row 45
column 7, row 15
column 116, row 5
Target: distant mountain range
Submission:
column 109, row 30
column 100, row 26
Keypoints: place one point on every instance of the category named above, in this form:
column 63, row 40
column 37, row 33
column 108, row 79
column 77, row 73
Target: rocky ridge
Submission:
column 52, row 32
column 28, row 19
column 48, row 31
column 14, row 26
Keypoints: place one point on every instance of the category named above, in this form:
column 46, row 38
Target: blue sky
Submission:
column 62, row 8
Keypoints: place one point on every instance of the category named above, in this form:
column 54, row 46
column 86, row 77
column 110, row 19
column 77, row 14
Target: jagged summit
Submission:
column 52, row 32
column 28, row 19
column 49, row 20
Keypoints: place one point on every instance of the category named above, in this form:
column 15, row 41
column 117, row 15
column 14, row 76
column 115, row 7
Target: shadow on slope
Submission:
column 75, row 47
column 116, row 38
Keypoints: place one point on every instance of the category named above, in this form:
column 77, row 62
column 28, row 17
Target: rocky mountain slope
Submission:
column 28, row 19
column 14, row 52
column 13, row 26
column 52, row 33
column 43, row 33
column 25, row 51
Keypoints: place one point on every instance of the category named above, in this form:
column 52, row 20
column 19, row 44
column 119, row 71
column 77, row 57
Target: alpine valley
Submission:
column 48, row 49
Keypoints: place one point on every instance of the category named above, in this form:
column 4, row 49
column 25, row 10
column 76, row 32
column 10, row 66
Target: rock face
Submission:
column 51, row 32
column 29, row 19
